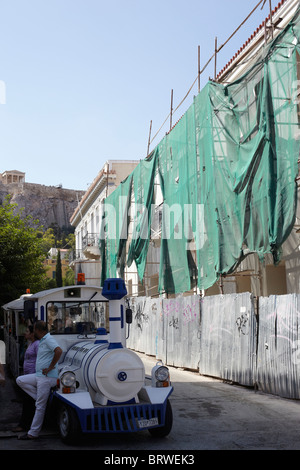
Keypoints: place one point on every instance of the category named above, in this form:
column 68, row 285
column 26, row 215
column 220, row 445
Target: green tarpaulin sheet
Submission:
column 227, row 175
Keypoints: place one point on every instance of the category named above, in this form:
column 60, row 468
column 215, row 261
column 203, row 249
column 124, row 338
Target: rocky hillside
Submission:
column 48, row 204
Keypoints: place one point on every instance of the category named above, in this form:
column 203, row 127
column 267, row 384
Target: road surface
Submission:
column 208, row 415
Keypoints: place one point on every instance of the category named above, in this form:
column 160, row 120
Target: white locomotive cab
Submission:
column 102, row 383
column 102, row 386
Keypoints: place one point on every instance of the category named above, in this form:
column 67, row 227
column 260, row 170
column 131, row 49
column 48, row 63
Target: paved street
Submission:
column 208, row 415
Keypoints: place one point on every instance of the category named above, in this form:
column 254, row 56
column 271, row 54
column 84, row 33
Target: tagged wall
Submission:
column 168, row 329
column 278, row 357
column 224, row 336
column 228, row 337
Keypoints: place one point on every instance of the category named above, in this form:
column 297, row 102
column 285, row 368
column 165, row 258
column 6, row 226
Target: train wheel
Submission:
column 164, row 430
column 68, row 424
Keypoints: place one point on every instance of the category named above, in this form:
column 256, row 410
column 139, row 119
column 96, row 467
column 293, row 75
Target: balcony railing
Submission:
column 90, row 239
column 75, row 255
column 90, row 247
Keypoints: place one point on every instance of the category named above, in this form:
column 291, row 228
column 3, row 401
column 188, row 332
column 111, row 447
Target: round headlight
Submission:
column 162, row 374
column 68, row 379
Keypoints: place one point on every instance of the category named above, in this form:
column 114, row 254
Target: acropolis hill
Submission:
column 47, row 204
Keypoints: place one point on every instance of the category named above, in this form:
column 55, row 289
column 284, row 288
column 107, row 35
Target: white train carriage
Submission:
column 102, row 386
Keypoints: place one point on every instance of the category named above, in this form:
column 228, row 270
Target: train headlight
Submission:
column 160, row 376
column 68, row 379
column 68, row 382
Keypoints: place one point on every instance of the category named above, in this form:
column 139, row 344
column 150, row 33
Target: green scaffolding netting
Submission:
column 227, row 176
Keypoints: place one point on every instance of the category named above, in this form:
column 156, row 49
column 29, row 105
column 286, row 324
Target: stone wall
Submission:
column 47, row 204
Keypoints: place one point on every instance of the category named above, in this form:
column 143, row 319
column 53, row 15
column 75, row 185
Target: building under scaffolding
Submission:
column 213, row 208
column 214, row 204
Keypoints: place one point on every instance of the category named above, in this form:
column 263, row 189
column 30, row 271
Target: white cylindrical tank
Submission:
column 115, row 375
column 118, row 374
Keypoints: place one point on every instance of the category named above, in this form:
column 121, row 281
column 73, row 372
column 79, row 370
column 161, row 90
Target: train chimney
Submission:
column 114, row 290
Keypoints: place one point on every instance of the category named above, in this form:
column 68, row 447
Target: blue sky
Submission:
column 84, row 78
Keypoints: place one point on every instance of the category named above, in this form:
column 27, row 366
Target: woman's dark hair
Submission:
column 30, row 328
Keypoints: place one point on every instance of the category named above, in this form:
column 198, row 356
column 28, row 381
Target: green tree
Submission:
column 58, row 271
column 21, row 254
column 48, row 240
column 69, row 279
column 69, row 242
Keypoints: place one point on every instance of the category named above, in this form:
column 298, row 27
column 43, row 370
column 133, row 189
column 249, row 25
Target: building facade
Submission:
column 87, row 219
column 51, row 261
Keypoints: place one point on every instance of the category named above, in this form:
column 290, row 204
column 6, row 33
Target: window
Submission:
column 81, row 318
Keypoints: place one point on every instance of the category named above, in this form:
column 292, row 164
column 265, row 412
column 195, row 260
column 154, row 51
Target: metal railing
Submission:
column 75, row 255
column 90, row 239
